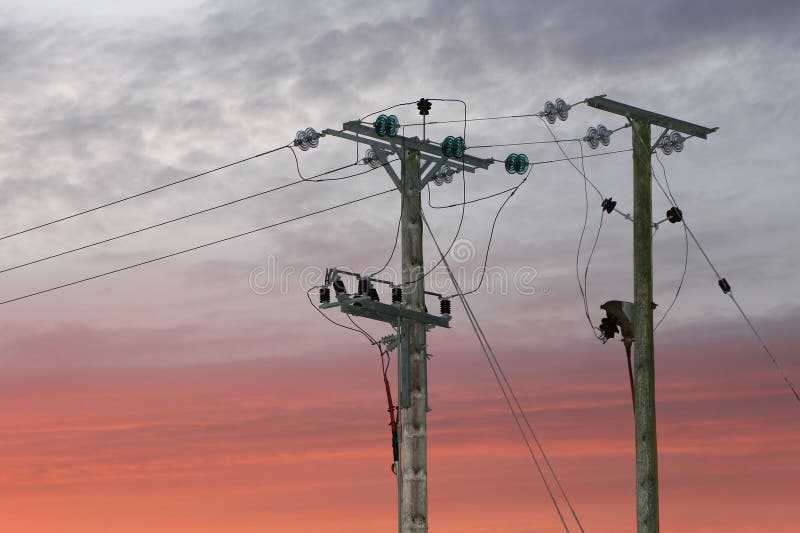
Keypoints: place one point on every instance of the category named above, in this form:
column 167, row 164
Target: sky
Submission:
column 203, row 393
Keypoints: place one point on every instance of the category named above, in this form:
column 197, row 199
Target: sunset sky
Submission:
column 204, row 394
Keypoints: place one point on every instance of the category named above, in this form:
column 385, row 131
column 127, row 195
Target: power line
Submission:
column 671, row 199
column 583, row 288
column 194, row 248
column 685, row 252
column 148, row 191
column 491, row 232
column 195, row 213
column 497, row 370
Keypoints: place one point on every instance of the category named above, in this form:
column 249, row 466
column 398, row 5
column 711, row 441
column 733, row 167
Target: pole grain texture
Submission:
column 647, row 519
column 414, row 505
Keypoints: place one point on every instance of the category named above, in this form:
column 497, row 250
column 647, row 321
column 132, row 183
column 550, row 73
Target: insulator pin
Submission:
column 324, row 295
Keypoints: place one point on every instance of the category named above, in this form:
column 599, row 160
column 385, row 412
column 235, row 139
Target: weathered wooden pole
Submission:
column 644, row 371
column 414, row 501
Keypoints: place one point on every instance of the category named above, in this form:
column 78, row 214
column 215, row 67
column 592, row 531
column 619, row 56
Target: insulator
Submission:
column 562, row 109
column 438, row 180
column 300, row 141
column 392, row 125
column 373, row 294
column 312, row 137
column 677, row 141
column 397, row 295
column 592, row 137
column 363, row 285
column 371, row 159
column 609, row 204
column 338, row 286
column 459, row 147
column 550, row 112
column 674, row 215
column 522, row 163
column 448, row 146
column 609, row 327
column 447, row 177
column 324, row 295
column 516, row 163
column 604, row 134
column 424, row 106
column 511, row 163
column 444, row 306
column 724, row 285
column 380, row 125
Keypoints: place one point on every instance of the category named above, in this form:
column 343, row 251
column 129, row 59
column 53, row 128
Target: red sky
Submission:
column 191, row 396
column 301, row 443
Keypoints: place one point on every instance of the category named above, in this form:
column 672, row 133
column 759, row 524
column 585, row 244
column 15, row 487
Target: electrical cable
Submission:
column 567, row 158
column 491, row 232
column 497, row 370
column 189, row 215
column 686, row 247
column 187, row 250
column 729, row 292
column 137, row 195
column 308, row 295
column 581, row 288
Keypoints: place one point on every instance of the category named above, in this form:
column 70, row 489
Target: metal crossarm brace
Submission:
column 649, row 117
column 367, row 308
column 430, row 153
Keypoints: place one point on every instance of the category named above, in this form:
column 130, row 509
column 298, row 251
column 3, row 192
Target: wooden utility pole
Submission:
column 422, row 162
column 644, row 370
column 414, row 507
column 647, row 519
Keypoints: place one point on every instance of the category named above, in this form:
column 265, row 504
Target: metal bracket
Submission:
column 367, row 308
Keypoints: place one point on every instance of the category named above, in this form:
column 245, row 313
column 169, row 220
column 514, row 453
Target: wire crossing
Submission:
column 504, row 384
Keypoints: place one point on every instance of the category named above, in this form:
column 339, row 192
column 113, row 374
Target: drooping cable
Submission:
column 503, row 383
column 148, row 191
column 192, row 249
column 671, row 200
column 685, row 251
column 582, row 286
column 491, row 232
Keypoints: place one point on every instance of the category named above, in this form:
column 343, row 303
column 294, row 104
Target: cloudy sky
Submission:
column 203, row 393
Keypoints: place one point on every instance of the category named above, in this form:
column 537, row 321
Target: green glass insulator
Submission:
column 448, row 146
column 380, row 125
column 511, row 163
column 522, row 163
column 392, row 125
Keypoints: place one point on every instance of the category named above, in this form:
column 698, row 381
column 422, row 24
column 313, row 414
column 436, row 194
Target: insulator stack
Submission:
column 608, row 205
column 386, row 126
column 453, row 146
column 444, row 306
column 373, row 294
column 516, row 163
column 324, row 295
column 397, row 295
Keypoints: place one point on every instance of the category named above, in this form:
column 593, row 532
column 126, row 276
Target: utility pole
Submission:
column 414, row 511
column 647, row 518
column 644, row 411
column 418, row 157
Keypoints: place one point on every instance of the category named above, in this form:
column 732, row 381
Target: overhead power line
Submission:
column 508, row 392
column 148, row 191
column 194, row 248
column 195, row 213
column 726, row 288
